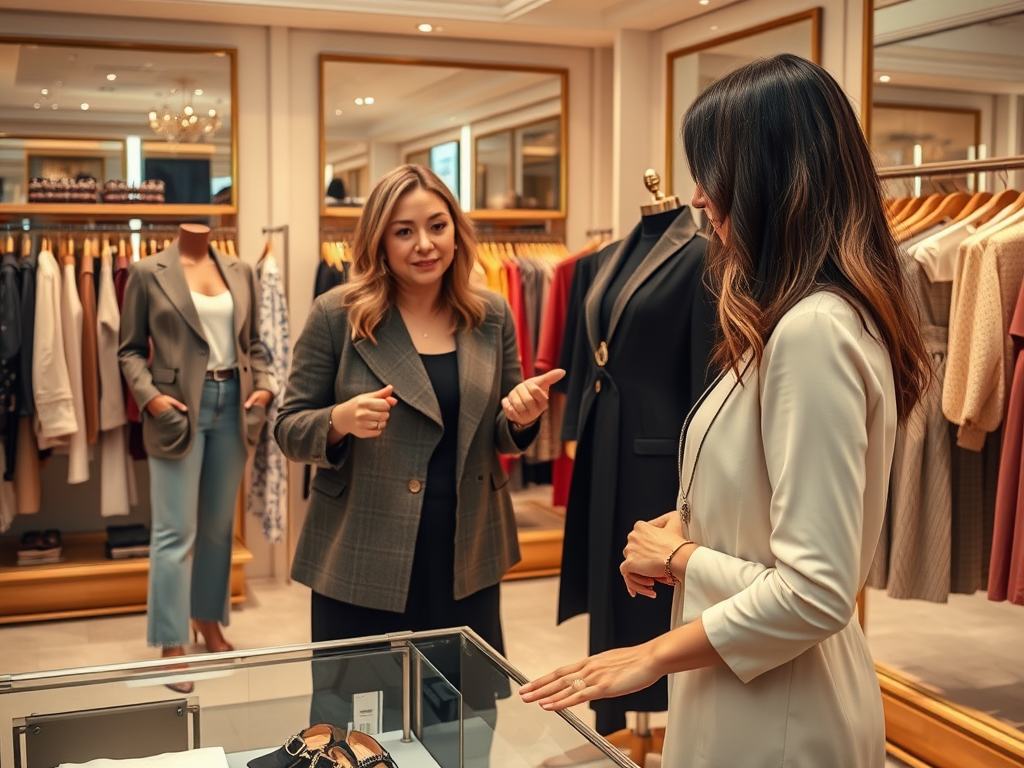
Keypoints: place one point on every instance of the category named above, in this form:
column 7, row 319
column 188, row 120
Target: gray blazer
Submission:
column 359, row 536
column 159, row 307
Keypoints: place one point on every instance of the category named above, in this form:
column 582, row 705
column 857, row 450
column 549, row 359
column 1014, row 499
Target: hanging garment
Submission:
column 26, row 470
column 10, row 347
column 135, row 446
column 115, row 496
column 626, row 408
column 268, row 492
column 90, row 372
column 51, row 381
column 71, row 324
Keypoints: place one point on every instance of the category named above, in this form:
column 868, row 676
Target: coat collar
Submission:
column 394, row 360
column 171, row 278
column 676, row 236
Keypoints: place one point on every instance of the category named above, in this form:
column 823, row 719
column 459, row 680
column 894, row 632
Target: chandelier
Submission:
column 186, row 125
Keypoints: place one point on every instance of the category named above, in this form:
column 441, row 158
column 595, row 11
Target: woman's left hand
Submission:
column 647, row 546
column 612, row 673
column 529, row 399
column 261, row 396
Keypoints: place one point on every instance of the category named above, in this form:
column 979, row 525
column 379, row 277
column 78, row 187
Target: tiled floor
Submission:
column 278, row 614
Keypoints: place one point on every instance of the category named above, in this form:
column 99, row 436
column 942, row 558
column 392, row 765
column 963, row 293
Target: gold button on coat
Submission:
column 414, row 486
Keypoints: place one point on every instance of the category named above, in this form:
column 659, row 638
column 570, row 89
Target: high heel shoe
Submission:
column 367, row 751
column 303, row 750
column 184, row 687
column 212, row 636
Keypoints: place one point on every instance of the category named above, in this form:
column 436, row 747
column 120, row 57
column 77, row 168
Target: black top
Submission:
column 651, row 229
column 443, row 371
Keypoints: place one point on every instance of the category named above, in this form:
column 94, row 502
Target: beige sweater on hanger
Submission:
column 987, row 281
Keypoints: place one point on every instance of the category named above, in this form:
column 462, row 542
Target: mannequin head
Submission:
column 783, row 167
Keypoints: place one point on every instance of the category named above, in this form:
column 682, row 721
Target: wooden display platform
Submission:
column 86, row 583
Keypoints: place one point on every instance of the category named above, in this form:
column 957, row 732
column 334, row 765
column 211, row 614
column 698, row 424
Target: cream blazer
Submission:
column 787, row 505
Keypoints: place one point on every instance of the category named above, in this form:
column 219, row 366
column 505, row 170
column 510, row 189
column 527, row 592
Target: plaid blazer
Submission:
column 358, row 540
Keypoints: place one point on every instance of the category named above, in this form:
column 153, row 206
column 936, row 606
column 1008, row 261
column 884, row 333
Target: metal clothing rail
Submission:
column 100, row 229
column 954, row 166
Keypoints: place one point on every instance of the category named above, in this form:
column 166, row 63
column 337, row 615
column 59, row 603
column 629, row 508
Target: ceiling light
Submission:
column 704, row 2
column 53, row 106
column 368, row 100
column 425, row 27
column 198, row 91
column 184, row 125
column 714, row 27
column 359, row 102
column 884, row 78
column 111, row 76
column 84, row 107
column 45, row 91
column 337, row 113
column 37, row 105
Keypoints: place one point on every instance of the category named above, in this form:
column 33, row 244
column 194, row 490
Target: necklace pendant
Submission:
column 684, row 511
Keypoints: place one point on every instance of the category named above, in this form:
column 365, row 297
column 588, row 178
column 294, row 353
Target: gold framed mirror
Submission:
column 690, row 70
column 497, row 135
column 71, row 105
column 943, row 86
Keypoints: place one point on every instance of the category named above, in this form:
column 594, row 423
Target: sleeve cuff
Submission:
column 970, row 437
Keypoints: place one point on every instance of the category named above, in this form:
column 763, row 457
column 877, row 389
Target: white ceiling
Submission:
column 553, row 22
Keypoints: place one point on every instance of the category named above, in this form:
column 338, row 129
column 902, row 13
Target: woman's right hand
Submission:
column 163, row 403
column 363, row 416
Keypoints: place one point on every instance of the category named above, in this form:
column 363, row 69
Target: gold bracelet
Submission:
column 668, row 561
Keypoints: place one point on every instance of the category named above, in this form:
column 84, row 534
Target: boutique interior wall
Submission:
column 616, row 124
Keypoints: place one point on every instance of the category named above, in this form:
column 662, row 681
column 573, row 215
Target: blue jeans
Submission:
column 193, row 500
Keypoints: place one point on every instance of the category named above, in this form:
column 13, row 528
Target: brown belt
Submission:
column 225, row 374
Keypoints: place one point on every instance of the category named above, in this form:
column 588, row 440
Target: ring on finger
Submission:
column 376, row 425
column 579, row 684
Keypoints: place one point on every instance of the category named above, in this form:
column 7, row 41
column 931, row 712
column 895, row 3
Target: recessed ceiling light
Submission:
column 884, row 78
column 714, row 27
column 84, row 106
column 368, row 100
column 111, row 76
column 37, row 105
column 704, row 2
column 53, row 106
column 198, row 91
column 45, row 91
column 337, row 112
column 359, row 102
column 425, row 27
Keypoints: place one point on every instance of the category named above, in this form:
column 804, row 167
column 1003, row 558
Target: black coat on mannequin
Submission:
column 626, row 410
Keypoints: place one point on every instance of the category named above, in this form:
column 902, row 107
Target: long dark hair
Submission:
column 777, row 148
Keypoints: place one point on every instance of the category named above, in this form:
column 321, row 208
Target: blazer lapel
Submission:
column 477, row 353
column 171, row 279
column 394, row 360
column 592, row 303
column 676, row 236
column 237, row 284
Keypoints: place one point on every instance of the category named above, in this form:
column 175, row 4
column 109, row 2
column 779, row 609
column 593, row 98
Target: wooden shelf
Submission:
column 515, row 215
column 342, row 212
column 86, row 583
column 113, row 211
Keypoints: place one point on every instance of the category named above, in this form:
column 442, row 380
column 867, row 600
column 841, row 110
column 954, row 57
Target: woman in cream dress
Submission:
column 784, row 463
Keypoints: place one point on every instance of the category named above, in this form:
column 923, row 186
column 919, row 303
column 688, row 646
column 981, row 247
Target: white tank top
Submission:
column 217, row 315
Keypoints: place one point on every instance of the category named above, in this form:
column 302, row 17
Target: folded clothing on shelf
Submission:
column 40, row 547
column 127, row 541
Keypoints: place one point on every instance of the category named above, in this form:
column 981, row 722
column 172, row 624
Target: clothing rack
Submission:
column 954, row 166
column 100, row 229
column 519, row 236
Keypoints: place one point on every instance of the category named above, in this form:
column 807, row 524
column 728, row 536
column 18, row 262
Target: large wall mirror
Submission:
column 91, row 122
column 692, row 69
column 495, row 135
column 948, row 87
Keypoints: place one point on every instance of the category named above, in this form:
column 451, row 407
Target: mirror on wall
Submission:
column 948, row 85
column 692, row 69
column 88, row 122
column 495, row 135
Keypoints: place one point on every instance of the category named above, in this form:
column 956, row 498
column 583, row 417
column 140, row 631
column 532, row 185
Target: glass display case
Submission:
column 442, row 698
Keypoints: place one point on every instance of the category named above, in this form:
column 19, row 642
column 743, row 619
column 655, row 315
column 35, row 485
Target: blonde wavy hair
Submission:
column 371, row 288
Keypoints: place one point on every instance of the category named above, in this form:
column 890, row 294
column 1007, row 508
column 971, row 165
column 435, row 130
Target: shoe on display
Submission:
column 367, row 751
column 303, row 750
